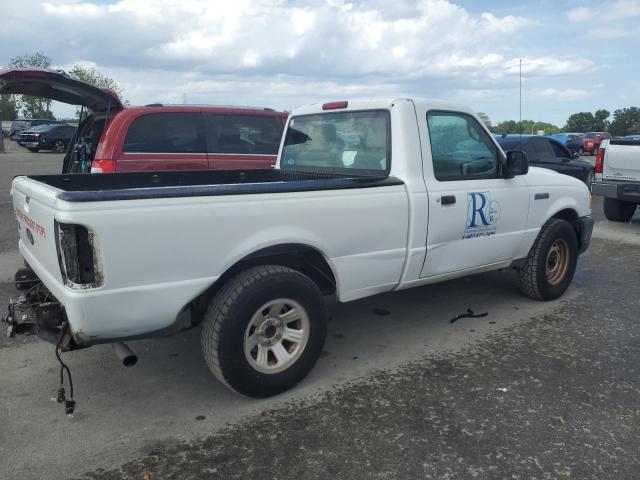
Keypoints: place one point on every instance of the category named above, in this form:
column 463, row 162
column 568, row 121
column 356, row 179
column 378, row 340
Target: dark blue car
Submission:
column 548, row 153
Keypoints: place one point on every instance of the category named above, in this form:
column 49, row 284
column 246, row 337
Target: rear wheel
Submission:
column 617, row 210
column 595, row 151
column 551, row 262
column 263, row 332
column 59, row 146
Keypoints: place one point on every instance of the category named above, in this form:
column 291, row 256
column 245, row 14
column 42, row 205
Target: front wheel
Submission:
column 264, row 330
column 59, row 147
column 34, row 150
column 617, row 210
column 580, row 151
column 551, row 262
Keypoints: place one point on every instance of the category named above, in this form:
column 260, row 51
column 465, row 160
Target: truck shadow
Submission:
column 379, row 332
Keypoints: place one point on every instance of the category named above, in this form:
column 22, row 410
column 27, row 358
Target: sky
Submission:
column 576, row 55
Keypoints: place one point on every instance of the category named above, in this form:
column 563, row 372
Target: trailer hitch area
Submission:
column 36, row 312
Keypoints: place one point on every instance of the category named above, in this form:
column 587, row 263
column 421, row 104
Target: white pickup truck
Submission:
column 617, row 177
column 367, row 197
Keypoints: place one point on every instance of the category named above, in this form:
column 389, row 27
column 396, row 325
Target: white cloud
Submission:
column 333, row 37
column 280, row 53
column 549, row 66
column 563, row 95
column 605, row 12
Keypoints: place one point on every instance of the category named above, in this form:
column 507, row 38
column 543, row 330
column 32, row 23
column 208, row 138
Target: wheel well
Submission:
column 570, row 216
column 302, row 258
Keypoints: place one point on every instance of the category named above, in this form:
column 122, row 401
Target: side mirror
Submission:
column 516, row 163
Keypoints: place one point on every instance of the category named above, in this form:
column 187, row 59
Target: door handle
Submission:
column 448, row 199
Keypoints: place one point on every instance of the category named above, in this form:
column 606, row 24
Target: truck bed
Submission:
column 139, row 185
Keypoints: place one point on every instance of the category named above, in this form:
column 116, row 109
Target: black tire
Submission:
column 594, row 151
column 228, row 317
column 535, row 281
column 617, row 210
column 589, row 180
column 580, row 151
column 59, row 146
column 34, row 150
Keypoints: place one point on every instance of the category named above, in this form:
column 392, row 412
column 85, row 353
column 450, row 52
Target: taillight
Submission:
column 103, row 166
column 600, row 159
column 76, row 255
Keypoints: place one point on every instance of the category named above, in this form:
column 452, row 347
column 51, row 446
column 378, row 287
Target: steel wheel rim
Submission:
column 557, row 261
column 59, row 146
column 276, row 335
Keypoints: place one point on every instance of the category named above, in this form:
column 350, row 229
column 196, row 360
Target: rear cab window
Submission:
column 351, row 143
column 179, row 132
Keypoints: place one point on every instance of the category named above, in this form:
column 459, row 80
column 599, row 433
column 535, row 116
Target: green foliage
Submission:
column 588, row 122
column 8, row 107
column 33, row 107
column 626, row 121
column 528, row 127
column 92, row 76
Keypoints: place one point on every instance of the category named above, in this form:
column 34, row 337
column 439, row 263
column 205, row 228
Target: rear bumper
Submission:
column 585, row 229
column 104, row 315
column 624, row 191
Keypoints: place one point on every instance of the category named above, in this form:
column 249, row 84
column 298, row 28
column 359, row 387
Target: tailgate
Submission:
column 34, row 208
column 622, row 160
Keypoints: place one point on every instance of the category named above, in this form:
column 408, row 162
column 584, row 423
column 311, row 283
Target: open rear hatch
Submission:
column 57, row 85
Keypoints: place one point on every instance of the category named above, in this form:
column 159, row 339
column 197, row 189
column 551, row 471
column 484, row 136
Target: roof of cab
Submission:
column 383, row 103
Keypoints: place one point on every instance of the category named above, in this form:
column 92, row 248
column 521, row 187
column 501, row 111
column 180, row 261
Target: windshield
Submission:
column 355, row 143
column 18, row 123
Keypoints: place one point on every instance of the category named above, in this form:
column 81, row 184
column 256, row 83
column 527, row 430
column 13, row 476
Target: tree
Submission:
column 485, row 119
column 626, row 121
column 33, row 107
column 92, row 76
column 528, row 127
column 588, row 122
column 8, row 107
column 601, row 124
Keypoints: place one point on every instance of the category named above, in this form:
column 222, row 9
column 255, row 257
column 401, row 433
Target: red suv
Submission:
column 591, row 141
column 113, row 138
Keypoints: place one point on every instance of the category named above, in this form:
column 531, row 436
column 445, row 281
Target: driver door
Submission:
column 476, row 217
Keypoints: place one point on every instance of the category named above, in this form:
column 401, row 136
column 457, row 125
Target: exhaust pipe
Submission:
column 124, row 353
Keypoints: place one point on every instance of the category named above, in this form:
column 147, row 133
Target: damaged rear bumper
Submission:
column 36, row 312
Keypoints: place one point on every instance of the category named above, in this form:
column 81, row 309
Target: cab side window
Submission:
column 545, row 152
column 460, row 147
column 166, row 133
column 560, row 151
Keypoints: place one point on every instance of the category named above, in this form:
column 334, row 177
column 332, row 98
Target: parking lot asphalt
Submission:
column 532, row 390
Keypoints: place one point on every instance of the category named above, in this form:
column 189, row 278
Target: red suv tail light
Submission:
column 600, row 159
column 103, row 166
